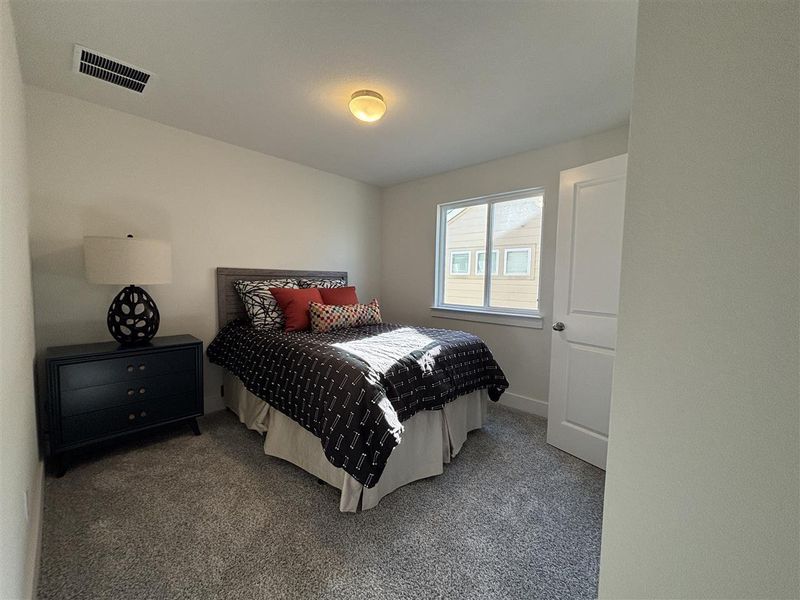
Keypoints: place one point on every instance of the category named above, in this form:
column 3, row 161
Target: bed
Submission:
column 365, row 409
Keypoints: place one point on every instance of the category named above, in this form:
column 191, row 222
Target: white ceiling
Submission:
column 464, row 82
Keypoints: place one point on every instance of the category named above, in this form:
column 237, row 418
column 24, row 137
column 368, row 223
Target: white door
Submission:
column 591, row 207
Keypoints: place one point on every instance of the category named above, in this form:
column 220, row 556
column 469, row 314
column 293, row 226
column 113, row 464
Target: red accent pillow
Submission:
column 339, row 296
column 294, row 304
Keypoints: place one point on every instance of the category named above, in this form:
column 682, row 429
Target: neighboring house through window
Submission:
column 480, row 262
column 507, row 228
column 459, row 263
column 517, row 261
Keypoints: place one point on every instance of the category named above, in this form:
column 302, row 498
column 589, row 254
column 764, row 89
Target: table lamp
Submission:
column 133, row 316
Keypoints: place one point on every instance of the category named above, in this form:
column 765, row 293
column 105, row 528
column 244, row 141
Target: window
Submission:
column 507, row 227
column 459, row 263
column 480, row 262
column 517, row 261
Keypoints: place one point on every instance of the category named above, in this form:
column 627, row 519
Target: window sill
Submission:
column 531, row 321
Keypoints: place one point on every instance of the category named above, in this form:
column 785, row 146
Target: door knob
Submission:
column 559, row 326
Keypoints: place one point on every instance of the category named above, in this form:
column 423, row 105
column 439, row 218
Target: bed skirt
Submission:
column 431, row 438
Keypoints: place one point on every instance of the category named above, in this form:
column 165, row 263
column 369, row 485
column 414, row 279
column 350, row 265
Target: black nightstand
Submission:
column 96, row 392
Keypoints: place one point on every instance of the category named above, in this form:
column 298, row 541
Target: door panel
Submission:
column 585, row 299
column 597, row 244
column 589, row 388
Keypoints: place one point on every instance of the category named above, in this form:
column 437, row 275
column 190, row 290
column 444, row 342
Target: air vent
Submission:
column 109, row 69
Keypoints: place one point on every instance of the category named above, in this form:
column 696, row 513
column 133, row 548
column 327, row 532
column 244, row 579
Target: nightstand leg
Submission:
column 58, row 465
column 195, row 427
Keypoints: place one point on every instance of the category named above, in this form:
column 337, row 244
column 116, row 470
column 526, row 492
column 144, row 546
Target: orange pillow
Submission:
column 338, row 296
column 294, row 304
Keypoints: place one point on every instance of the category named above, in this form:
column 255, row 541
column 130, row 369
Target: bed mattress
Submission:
column 354, row 388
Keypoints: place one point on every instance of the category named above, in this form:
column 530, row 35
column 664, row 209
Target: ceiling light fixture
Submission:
column 367, row 105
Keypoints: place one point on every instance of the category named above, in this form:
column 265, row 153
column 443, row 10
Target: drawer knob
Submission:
column 131, row 417
column 131, row 392
column 130, row 368
column 142, row 390
column 142, row 367
column 143, row 414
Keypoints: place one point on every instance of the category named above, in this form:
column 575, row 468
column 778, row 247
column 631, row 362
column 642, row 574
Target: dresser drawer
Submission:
column 129, row 417
column 116, row 370
column 98, row 397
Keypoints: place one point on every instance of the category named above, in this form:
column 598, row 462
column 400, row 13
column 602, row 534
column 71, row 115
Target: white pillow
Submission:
column 261, row 306
column 322, row 283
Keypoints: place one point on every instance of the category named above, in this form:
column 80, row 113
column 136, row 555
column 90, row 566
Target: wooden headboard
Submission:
column 229, row 305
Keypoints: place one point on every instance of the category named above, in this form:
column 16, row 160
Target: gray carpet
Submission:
column 177, row 516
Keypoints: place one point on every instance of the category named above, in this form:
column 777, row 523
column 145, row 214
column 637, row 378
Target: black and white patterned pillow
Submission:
column 261, row 306
column 322, row 283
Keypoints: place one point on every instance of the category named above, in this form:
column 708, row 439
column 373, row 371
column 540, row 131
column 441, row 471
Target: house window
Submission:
column 459, row 263
column 505, row 227
column 480, row 262
column 517, row 262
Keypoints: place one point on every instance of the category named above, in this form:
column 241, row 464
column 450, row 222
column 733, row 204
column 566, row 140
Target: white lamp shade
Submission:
column 127, row 261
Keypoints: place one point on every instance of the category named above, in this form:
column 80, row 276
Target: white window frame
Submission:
column 469, row 263
column 505, row 262
column 495, row 262
column 505, row 316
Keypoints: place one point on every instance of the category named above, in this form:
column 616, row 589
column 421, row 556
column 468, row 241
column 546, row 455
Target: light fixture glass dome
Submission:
column 367, row 105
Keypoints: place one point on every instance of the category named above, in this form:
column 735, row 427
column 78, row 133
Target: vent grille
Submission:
column 110, row 69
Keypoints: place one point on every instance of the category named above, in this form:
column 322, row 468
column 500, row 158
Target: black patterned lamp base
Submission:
column 133, row 316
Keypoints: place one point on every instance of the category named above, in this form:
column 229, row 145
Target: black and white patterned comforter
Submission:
column 353, row 388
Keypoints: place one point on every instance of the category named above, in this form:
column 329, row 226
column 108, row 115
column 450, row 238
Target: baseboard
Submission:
column 33, row 560
column 524, row 403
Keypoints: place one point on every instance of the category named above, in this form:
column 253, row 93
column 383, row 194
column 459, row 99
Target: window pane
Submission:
column 480, row 262
column 459, row 263
column 518, row 262
column 516, row 236
column 465, row 235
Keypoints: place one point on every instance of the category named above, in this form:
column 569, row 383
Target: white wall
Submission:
column 20, row 468
column 409, row 235
column 97, row 171
column 702, row 491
